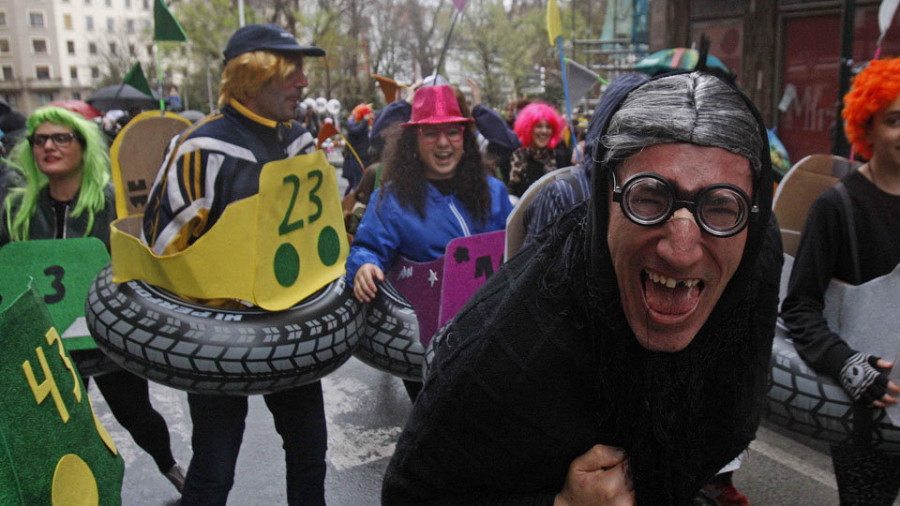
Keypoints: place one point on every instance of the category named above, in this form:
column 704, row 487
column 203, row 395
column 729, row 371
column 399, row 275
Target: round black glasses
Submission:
column 648, row 199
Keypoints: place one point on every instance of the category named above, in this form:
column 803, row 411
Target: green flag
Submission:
column 135, row 77
column 166, row 27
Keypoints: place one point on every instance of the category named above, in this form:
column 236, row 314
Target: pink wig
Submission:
column 531, row 115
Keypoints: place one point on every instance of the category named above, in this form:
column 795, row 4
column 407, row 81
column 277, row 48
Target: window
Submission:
column 36, row 19
column 76, row 95
column 44, row 98
column 95, row 72
column 39, row 46
column 2, row 18
column 89, row 20
column 132, row 51
column 42, row 72
column 67, row 21
column 146, row 5
column 4, row 45
column 73, row 72
column 109, row 3
column 150, row 50
column 112, row 48
column 129, row 26
column 70, row 46
column 110, row 24
column 8, row 74
column 87, row 2
column 127, row 4
column 92, row 47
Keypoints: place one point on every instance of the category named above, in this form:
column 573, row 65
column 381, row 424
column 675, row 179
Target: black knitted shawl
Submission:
column 541, row 365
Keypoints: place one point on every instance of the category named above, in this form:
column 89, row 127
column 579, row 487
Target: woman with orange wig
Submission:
column 865, row 476
column 540, row 128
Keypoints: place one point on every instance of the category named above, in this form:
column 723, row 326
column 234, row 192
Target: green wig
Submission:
column 94, row 175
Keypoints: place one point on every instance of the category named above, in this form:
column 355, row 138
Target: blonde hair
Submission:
column 246, row 74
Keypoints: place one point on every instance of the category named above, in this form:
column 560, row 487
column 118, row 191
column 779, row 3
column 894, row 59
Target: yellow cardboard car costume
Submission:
column 273, row 249
column 282, row 251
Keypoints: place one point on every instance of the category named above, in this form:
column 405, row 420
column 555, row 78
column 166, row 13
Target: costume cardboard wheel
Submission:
column 136, row 155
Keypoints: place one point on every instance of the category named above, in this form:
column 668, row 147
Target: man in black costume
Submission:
column 621, row 356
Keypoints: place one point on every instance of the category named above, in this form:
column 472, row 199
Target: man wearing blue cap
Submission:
column 211, row 164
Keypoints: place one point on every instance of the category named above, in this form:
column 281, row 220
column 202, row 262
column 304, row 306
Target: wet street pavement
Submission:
column 365, row 408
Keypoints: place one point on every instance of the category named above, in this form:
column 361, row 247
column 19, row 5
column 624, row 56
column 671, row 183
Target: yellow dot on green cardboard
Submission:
column 329, row 246
column 287, row 264
column 73, row 483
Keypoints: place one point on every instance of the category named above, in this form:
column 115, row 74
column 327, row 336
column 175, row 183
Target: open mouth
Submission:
column 671, row 297
column 443, row 157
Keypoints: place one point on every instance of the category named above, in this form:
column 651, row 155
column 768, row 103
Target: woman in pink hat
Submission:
column 435, row 189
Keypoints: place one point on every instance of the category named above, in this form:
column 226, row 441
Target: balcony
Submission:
column 11, row 85
column 43, row 84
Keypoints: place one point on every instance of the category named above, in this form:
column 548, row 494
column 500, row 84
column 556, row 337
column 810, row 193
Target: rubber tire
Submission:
column 93, row 362
column 390, row 341
column 804, row 402
column 159, row 336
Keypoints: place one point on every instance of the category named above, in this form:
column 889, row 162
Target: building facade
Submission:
column 786, row 53
column 61, row 49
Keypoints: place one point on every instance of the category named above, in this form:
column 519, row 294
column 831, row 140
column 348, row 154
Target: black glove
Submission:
column 862, row 380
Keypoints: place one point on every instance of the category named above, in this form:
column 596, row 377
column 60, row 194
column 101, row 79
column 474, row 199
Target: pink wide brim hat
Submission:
column 435, row 105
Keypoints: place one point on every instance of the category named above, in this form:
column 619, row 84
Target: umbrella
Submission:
column 80, row 106
column 192, row 115
column 676, row 59
column 4, row 107
column 121, row 96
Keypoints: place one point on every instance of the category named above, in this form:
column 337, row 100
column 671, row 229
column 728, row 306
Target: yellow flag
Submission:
column 554, row 26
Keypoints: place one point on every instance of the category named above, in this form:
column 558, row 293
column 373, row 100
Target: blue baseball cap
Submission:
column 266, row 38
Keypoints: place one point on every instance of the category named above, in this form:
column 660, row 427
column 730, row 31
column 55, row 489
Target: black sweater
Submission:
column 824, row 253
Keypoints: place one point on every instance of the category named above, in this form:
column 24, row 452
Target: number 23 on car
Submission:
column 273, row 249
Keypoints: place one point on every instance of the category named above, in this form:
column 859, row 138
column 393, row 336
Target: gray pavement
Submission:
column 365, row 409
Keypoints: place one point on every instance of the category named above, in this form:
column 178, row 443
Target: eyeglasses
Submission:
column 648, row 199
column 431, row 134
column 59, row 140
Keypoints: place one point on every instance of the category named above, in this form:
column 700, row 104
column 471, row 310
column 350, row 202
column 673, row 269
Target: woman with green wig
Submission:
column 65, row 165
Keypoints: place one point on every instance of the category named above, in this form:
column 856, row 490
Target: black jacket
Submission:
column 44, row 226
column 541, row 365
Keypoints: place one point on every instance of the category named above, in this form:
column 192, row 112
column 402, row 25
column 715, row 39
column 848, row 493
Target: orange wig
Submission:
column 873, row 89
column 246, row 74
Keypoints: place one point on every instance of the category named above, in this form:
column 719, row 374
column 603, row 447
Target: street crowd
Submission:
column 619, row 357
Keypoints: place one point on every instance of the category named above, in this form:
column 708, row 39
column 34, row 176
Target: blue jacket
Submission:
column 389, row 229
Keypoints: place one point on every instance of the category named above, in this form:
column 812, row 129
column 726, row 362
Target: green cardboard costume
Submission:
column 53, row 449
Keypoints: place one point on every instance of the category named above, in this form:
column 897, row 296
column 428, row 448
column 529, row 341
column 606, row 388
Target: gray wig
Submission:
column 692, row 108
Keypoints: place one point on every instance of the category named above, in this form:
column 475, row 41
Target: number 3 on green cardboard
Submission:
column 288, row 226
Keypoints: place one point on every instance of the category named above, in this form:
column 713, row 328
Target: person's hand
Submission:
column 476, row 91
column 597, row 478
column 411, row 91
column 863, row 381
column 364, row 286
